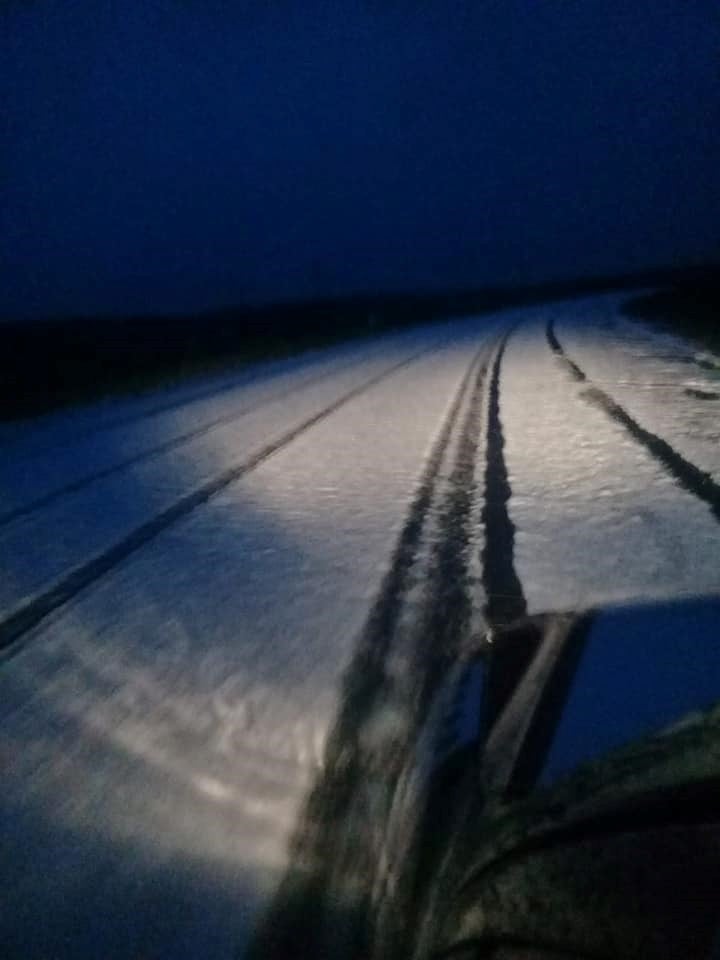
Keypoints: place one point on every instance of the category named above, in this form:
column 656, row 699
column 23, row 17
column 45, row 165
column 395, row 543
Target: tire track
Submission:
column 76, row 485
column 30, row 614
column 326, row 900
column 323, row 904
column 505, row 600
column 685, row 473
column 455, row 627
column 240, row 380
column 423, row 785
column 449, row 604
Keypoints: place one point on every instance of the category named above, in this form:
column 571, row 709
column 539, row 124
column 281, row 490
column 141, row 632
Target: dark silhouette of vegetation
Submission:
column 689, row 308
column 51, row 363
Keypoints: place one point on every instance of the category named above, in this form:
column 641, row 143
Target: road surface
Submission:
column 209, row 592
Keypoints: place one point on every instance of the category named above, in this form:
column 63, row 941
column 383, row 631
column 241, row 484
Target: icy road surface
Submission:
column 185, row 579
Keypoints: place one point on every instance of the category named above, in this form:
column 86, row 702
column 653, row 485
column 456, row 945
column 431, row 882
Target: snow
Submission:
column 598, row 520
column 173, row 717
column 202, row 394
column 36, row 549
column 160, row 732
column 43, row 454
column 648, row 373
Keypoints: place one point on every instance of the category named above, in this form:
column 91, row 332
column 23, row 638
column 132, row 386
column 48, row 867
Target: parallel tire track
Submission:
column 242, row 379
column 504, row 603
column 17, row 624
column 449, row 600
column 146, row 414
column 445, row 635
column 74, row 486
column 324, row 905
column 333, row 852
column 687, row 475
column 505, row 600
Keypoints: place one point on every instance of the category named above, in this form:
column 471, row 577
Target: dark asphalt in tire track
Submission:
column 17, row 624
column 685, row 473
column 311, row 917
column 505, row 601
column 76, row 485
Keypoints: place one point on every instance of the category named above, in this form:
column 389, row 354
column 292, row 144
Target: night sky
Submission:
column 172, row 155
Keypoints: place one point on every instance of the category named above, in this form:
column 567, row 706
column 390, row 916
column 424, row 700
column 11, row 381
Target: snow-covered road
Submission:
column 187, row 577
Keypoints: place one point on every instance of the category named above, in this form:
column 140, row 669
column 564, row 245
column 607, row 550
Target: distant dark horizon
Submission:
column 702, row 276
column 179, row 156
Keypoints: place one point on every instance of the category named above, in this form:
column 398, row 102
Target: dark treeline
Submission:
column 50, row 363
column 692, row 308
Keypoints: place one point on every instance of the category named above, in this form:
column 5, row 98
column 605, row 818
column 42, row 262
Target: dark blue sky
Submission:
column 170, row 155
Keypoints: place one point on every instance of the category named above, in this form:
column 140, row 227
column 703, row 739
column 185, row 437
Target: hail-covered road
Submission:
column 212, row 597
